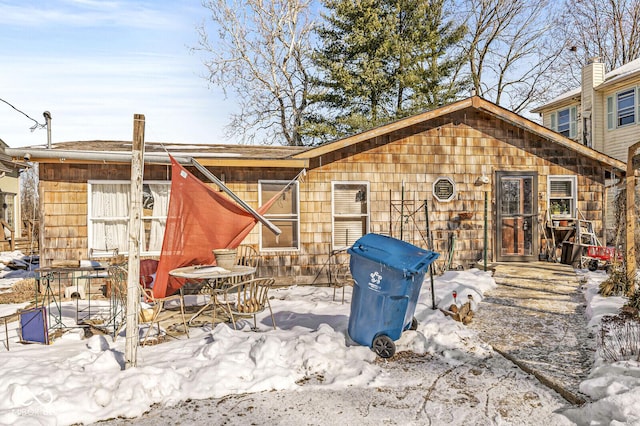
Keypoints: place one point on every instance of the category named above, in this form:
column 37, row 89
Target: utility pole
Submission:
column 135, row 219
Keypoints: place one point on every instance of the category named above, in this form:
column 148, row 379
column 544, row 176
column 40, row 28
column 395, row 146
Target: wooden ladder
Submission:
column 585, row 235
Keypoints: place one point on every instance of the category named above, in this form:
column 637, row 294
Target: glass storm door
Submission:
column 517, row 216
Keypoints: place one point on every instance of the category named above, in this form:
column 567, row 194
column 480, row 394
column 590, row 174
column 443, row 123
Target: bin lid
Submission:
column 393, row 253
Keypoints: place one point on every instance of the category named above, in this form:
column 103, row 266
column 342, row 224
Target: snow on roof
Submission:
column 566, row 95
column 612, row 76
column 625, row 70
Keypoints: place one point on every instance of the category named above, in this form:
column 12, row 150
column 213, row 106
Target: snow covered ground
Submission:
column 78, row 380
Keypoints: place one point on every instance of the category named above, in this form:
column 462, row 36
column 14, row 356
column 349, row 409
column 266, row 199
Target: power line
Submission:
column 32, row 128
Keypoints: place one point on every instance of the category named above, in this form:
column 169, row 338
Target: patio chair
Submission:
column 339, row 272
column 246, row 299
column 246, row 256
column 153, row 310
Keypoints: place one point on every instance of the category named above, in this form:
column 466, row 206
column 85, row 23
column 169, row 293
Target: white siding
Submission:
column 617, row 141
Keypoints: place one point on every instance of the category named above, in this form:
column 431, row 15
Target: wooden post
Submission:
column 135, row 219
column 630, row 251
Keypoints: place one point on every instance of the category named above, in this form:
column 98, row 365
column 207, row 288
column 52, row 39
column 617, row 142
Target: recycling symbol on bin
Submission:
column 376, row 278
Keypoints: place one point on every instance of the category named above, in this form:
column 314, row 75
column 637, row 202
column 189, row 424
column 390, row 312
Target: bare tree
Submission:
column 260, row 52
column 606, row 29
column 512, row 54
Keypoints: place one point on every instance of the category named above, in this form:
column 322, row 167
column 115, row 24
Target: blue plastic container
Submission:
column 388, row 275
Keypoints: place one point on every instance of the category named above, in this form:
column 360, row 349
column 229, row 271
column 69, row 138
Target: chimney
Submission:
column 592, row 77
column 592, row 73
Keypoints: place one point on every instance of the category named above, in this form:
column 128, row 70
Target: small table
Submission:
column 212, row 277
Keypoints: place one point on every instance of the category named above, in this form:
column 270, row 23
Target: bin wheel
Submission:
column 593, row 265
column 383, row 346
column 414, row 324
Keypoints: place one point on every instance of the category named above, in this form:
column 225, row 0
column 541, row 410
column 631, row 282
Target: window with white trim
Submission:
column 108, row 216
column 622, row 109
column 564, row 121
column 563, row 196
column 283, row 213
column 350, row 212
column 7, row 212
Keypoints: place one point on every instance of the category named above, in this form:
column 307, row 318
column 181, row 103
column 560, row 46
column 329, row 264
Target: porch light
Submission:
column 482, row 180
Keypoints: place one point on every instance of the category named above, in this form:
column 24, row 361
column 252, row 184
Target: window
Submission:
column 7, row 202
column 283, row 213
column 562, row 196
column 109, row 204
column 621, row 109
column 564, row 121
column 626, row 107
column 444, row 189
column 610, row 121
column 350, row 212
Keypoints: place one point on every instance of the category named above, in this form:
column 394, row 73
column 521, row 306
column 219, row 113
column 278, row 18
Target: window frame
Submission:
column 10, row 213
column 99, row 252
column 630, row 111
column 613, row 110
column 571, row 122
column 294, row 217
column 366, row 215
column 573, row 179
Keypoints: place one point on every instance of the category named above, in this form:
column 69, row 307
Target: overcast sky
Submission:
column 95, row 63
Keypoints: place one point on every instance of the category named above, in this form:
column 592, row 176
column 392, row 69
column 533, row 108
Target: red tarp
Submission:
column 199, row 220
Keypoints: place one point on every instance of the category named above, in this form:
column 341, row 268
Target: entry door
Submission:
column 517, row 216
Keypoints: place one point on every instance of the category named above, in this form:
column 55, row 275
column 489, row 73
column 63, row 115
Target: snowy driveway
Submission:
column 415, row 390
column 536, row 317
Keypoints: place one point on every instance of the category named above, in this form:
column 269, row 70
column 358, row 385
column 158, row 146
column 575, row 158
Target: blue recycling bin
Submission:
column 388, row 275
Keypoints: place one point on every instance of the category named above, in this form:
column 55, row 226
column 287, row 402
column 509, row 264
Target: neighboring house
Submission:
column 10, row 220
column 603, row 113
column 441, row 164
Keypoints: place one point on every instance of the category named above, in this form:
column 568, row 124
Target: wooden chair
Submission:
column 153, row 310
column 247, row 299
column 246, row 256
column 339, row 272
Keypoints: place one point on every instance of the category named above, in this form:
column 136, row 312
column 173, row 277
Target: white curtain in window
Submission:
column 109, row 212
column 349, row 213
column 160, row 209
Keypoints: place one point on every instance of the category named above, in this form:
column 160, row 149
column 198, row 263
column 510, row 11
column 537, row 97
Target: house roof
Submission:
column 628, row 70
column 474, row 102
column 99, row 151
column 565, row 98
column 286, row 156
column 7, row 165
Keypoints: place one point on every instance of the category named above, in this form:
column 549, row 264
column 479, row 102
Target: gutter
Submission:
column 25, row 154
column 184, row 158
column 63, row 155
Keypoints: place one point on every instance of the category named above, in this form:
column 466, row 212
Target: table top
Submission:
column 204, row 272
column 47, row 269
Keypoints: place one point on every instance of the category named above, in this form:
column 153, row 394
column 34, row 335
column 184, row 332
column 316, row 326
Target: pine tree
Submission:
column 427, row 57
column 380, row 60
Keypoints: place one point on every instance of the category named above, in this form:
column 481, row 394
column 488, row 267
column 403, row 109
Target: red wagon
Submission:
column 601, row 256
